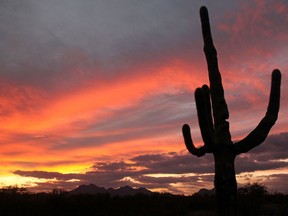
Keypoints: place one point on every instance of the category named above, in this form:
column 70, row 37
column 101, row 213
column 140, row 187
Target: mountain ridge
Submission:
column 121, row 191
column 126, row 190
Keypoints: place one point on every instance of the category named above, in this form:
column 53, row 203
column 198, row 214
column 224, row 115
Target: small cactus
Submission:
column 215, row 131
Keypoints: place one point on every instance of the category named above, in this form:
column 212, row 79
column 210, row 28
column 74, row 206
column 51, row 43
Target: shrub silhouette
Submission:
column 216, row 134
column 254, row 189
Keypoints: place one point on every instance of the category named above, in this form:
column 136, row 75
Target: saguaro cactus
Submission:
column 216, row 134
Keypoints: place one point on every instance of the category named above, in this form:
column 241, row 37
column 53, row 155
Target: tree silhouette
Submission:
column 215, row 131
column 254, row 189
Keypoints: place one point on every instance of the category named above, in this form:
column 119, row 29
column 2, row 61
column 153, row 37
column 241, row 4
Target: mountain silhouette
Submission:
column 122, row 191
column 88, row 189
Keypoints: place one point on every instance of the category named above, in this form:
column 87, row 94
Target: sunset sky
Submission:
column 97, row 91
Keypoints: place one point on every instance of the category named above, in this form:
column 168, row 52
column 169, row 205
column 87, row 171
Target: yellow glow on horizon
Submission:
column 266, row 172
column 68, row 169
column 249, row 177
column 20, row 181
column 160, row 190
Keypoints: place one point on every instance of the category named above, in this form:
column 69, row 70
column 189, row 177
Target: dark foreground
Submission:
column 24, row 204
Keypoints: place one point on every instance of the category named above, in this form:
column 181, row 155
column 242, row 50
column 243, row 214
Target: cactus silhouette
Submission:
column 215, row 131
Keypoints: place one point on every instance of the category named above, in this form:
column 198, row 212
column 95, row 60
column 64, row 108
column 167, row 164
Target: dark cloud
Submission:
column 175, row 163
column 111, row 167
column 47, row 175
column 272, row 154
column 274, row 148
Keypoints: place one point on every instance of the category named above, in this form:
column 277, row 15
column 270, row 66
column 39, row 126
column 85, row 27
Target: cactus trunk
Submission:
column 225, row 183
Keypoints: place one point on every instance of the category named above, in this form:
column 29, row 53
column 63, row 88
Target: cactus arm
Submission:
column 204, row 116
column 189, row 143
column 274, row 100
column 259, row 134
column 220, row 109
column 206, row 92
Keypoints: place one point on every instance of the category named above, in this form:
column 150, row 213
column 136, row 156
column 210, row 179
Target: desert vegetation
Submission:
column 253, row 199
